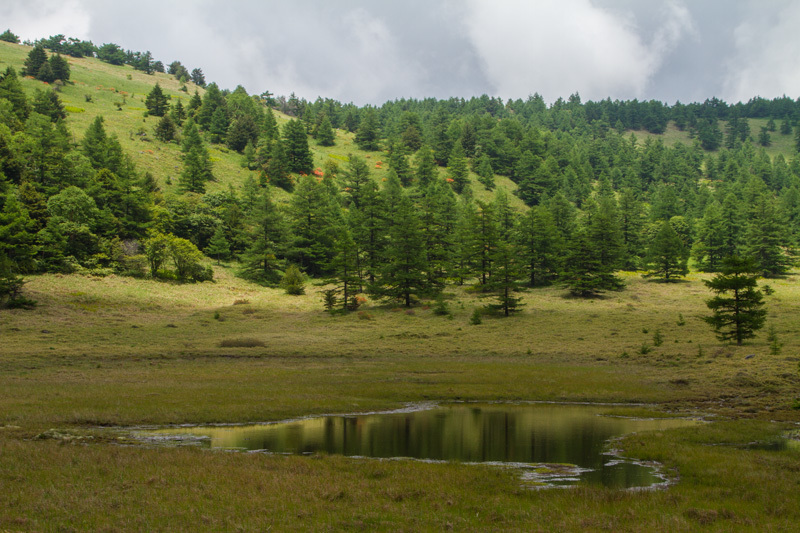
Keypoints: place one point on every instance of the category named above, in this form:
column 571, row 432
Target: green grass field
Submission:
column 120, row 352
column 100, row 352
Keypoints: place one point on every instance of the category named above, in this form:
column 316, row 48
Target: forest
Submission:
column 596, row 198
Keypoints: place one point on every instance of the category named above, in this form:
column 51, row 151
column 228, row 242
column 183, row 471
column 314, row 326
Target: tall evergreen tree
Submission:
column 156, row 102
column 737, row 306
column 36, row 58
column 368, row 134
column 766, row 238
column 268, row 239
column 541, row 246
column 666, row 255
column 325, row 134
column 403, row 275
column 300, row 158
column 457, row 168
column 709, row 247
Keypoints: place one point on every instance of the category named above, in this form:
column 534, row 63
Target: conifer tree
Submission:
column 268, row 239
column 666, row 255
column 368, row 226
column 344, row 265
column 293, row 281
column 485, row 172
column 709, row 247
column 36, row 58
column 541, row 246
column 313, row 216
column 426, row 170
column 766, row 238
column 325, row 135
column 300, row 158
column 156, row 102
column 218, row 247
column 368, row 134
column 404, row 272
column 504, row 280
column 165, row 129
column 277, row 168
column 737, row 306
column 59, row 67
column 398, row 161
column 355, row 177
column 457, row 168
column 11, row 90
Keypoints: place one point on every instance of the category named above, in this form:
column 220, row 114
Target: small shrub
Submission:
column 476, row 319
column 441, row 308
column 645, row 331
column 329, row 299
column 88, row 98
column 363, row 315
column 241, row 301
column 767, row 290
column 216, row 315
column 658, row 340
column 681, row 321
column 293, row 281
column 644, row 349
column 775, row 344
column 241, row 343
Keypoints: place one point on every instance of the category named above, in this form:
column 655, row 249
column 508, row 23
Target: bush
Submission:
column 476, row 319
column 293, row 281
column 329, row 299
column 241, row 343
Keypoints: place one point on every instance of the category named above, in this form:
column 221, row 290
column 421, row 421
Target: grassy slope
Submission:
column 116, row 351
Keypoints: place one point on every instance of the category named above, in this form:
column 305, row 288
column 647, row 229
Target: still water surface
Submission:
column 527, row 436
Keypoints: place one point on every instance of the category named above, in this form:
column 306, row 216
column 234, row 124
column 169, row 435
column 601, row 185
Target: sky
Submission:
column 372, row 51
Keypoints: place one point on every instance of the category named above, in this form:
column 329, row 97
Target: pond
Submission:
column 552, row 444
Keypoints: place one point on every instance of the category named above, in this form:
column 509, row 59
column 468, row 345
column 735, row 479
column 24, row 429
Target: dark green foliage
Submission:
column 300, row 159
column 242, row 131
column 541, row 246
column 766, row 238
column 47, row 103
column 485, row 172
column 111, row 53
column 325, row 135
column 267, row 241
column 278, row 169
column 737, row 306
column 34, row 62
column 12, row 91
column 218, row 247
column 403, row 276
column 165, row 129
column 457, row 169
column 59, row 68
column 9, row 37
column 157, row 102
column 666, row 255
column 426, row 170
column 198, row 78
column 368, row 134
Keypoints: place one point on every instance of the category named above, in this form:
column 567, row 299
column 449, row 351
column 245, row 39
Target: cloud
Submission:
column 36, row 19
column 557, row 48
column 766, row 48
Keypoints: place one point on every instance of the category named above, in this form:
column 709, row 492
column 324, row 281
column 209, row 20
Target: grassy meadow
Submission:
column 102, row 354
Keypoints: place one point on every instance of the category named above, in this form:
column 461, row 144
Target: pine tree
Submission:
column 485, row 172
column 313, row 217
column 165, row 129
column 457, row 168
column 325, row 134
column 300, row 158
column 766, row 238
column 277, row 169
column 218, row 247
column 293, row 281
column 737, row 306
column 36, row 58
column 504, row 280
column 344, row 265
column 368, row 134
column 666, row 256
column 354, row 179
column 11, row 90
column 268, row 238
column 426, row 170
column 48, row 104
column 398, row 161
column 541, row 246
column 404, row 273
column 157, row 103
column 709, row 247
column 59, row 67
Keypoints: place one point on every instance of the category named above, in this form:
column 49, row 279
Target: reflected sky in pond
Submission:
column 499, row 433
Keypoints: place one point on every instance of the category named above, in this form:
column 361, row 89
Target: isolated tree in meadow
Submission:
column 737, row 306
column 156, row 102
column 293, row 281
column 666, row 256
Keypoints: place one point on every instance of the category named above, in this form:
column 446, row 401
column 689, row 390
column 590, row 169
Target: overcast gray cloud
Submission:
column 369, row 52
